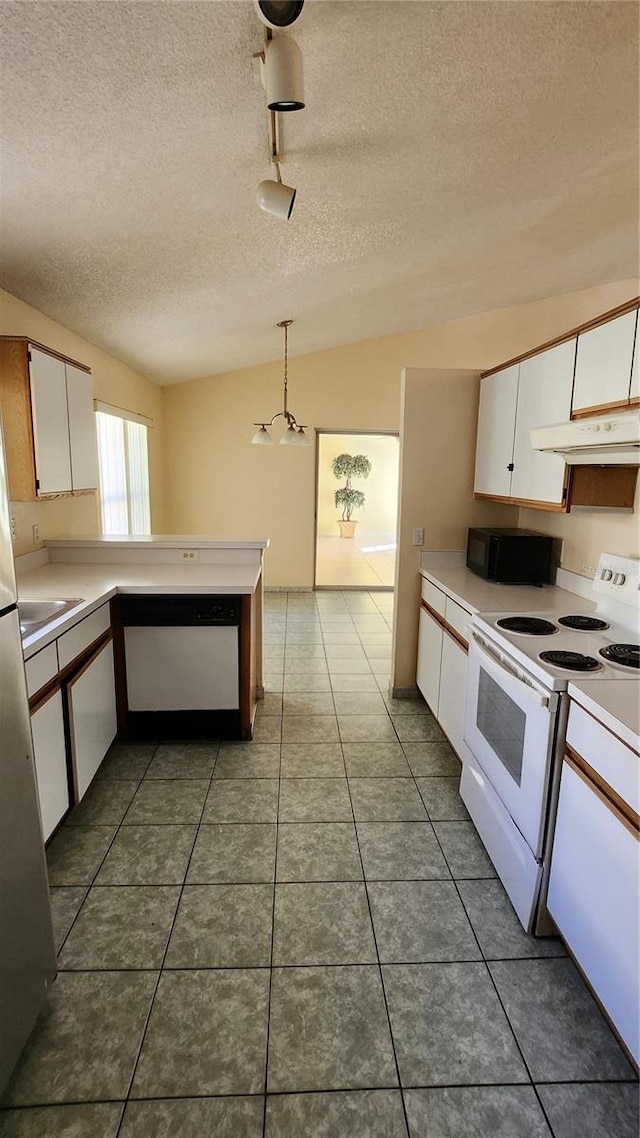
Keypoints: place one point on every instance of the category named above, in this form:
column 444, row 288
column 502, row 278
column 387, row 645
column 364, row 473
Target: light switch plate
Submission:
column 418, row 535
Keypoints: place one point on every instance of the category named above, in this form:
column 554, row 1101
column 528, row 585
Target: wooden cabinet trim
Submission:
column 27, row 340
column 450, row 631
column 70, row 672
column 552, row 507
column 628, row 306
column 601, row 409
column 609, row 798
column 47, row 691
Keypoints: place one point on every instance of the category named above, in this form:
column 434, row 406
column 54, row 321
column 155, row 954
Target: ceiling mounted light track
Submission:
column 278, row 69
column 294, row 434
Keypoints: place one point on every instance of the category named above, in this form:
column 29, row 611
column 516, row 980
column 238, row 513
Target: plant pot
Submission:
column 347, row 529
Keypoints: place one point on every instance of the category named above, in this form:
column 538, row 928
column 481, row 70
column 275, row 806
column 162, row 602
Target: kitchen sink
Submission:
column 35, row 614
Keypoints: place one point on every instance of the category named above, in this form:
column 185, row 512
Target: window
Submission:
column 124, row 472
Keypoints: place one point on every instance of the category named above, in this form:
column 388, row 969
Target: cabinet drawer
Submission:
column 458, row 618
column 607, row 755
column 433, row 596
column 41, row 668
column 47, row 730
column 77, row 639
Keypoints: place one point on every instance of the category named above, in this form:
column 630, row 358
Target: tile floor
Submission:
column 366, row 561
column 310, row 914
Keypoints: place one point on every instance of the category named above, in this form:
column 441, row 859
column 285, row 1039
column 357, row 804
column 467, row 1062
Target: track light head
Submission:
column 276, row 198
column 278, row 14
column 282, row 75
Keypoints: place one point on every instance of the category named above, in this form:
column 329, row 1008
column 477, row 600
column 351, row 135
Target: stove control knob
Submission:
column 606, row 574
column 619, row 578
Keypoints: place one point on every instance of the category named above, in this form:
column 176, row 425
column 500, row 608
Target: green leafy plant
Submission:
column 350, row 466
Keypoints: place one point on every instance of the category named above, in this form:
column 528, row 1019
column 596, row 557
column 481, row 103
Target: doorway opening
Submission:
column 361, row 556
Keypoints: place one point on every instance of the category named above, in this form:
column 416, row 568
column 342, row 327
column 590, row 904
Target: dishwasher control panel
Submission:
column 180, row 610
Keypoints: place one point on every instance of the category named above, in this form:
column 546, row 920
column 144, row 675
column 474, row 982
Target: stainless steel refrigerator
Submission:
column 27, row 956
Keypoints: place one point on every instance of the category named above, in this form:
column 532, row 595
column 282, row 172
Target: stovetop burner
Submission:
column 527, row 625
column 583, row 623
column 626, row 654
column 572, row 661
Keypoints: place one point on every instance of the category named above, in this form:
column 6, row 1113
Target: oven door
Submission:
column 510, row 730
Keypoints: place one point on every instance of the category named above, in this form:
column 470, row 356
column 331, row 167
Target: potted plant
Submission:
column 349, row 466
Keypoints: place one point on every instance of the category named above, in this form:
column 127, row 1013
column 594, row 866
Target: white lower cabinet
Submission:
column 92, row 716
column 430, row 636
column 453, row 678
column 47, row 729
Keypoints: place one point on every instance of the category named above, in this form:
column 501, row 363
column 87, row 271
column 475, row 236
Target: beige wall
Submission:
column 218, row 483
column 113, row 382
column 379, row 514
column 587, row 534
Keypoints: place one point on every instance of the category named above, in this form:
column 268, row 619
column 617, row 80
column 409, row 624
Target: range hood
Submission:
column 608, row 440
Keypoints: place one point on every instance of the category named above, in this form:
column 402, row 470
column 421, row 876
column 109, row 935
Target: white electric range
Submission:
column 519, row 669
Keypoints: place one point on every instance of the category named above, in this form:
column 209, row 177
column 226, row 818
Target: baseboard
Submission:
column 404, row 693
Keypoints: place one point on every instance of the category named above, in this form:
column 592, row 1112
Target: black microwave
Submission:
column 511, row 556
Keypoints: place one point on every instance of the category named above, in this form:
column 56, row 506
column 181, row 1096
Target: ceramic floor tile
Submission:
column 360, row 703
column 194, row 1118
column 267, row 729
column 344, row 652
column 75, row 854
column 254, row 760
column 128, row 761
column 312, row 760
column 568, row 1037
column 222, row 926
column 270, row 704
column 305, row 682
column 310, row 729
column 475, row 1112
column 315, row 800
column 308, row 703
column 375, row 760
column 273, row 681
column 465, row 853
column 597, row 1110
column 406, row 706
column 497, row 927
column 121, row 927
column 207, row 1035
column 347, row 683
column 420, row 921
column 441, row 797
column 386, row 800
column 84, row 1045
column 366, row 729
column 465, row 1037
column 242, row 800
column 309, row 667
column 417, row 729
column 324, row 852
column 322, row 923
column 65, row 904
column 99, row 1120
column 346, row 1114
column 398, row 851
column 167, row 801
column 183, row 760
column 328, row 1029
column 234, row 854
column 148, row 855
column 353, row 667
column 104, row 804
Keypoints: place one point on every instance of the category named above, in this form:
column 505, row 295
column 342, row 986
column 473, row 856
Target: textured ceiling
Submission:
column 452, row 158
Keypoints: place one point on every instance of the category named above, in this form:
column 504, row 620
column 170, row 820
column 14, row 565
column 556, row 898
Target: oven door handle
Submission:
column 499, row 668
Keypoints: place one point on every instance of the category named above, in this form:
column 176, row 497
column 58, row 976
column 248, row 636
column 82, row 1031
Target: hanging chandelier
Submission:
column 294, row 434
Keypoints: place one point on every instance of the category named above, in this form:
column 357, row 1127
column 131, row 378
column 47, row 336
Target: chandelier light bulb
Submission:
column 262, row 437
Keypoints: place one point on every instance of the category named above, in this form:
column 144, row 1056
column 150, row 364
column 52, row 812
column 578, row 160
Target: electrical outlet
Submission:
column 189, row 554
column 418, row 535
column 35, row 534
column 13, row 526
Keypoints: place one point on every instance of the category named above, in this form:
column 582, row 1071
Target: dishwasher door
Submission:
column 184, row 668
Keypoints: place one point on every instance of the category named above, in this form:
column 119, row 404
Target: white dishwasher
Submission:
column 181, row 653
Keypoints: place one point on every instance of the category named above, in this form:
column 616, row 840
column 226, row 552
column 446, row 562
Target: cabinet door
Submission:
column 544, row 397
column 92, row 717
column 603, row 365
column 82, row 429
column 47, row 730
column 496, row 423
column 50, row 422
column 429, row 656
column 634, row 389
column 453, row 680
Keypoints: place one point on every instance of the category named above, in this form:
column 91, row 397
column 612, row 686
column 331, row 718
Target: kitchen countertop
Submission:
column 448, row 572
column 96, row 584
column 614, row 703
column 159, row 540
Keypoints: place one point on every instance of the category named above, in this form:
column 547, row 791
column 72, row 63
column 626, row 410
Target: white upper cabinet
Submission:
column 634, row 390
column 496, row 421
column 544, row 397
column 50, row 423
column 603, row 365
column 82, row 429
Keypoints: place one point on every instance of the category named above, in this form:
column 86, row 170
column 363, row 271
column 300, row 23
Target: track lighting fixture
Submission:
column 282, row 75
column 294, row 434
column 276, row 198
column 278, row 13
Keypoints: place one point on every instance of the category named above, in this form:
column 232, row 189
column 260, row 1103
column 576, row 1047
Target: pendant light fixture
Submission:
column 294, row 434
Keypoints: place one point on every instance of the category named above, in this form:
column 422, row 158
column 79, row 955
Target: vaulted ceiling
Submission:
column 452, row 158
